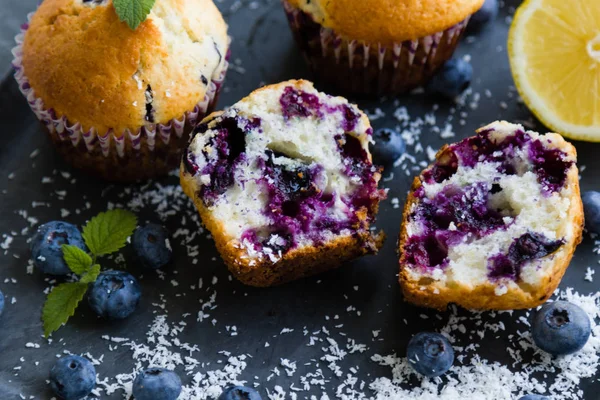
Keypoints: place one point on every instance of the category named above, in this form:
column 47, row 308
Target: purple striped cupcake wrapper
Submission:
column 60, row 126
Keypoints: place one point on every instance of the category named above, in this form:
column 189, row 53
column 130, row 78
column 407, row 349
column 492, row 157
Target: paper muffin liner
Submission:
column 150, row 151
column 359, row 67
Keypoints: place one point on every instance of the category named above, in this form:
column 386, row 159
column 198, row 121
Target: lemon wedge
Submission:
column 554, row 52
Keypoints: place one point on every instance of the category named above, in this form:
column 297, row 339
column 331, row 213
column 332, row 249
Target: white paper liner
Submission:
column 60, row 126
column 333, row 42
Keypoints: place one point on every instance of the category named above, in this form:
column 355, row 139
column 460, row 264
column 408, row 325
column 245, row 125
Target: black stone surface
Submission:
column 261, row 40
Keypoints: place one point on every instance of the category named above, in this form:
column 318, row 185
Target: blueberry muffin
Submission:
column 284, row 182
column 116, row 102
column 377, row 47
column 493, row 222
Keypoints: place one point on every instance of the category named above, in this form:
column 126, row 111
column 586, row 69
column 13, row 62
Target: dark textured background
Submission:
column 261, row 40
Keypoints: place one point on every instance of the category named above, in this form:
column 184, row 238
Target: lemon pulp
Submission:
column 554, row 50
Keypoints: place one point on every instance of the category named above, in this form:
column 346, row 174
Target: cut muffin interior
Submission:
column 281, row 174
column 493, row 222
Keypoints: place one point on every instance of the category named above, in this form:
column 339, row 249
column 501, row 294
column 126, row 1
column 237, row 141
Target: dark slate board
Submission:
column 264, row 45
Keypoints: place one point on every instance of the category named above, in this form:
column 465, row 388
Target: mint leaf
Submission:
column 134, row 12
column 77, row 260
column 91, row 275
column 61, row 304
column 108, row 231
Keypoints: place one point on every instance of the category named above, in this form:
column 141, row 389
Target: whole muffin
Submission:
column 120, row 103
column 376, row 47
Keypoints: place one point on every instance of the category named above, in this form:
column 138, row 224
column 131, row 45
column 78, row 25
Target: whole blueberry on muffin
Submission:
column 120, row 102
column 285, row 183
column 377, row 46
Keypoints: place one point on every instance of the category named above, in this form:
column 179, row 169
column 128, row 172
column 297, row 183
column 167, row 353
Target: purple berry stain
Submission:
column 527, row 247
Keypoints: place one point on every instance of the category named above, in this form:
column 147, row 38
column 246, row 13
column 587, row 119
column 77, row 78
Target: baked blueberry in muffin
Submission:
column 285, row 183
column 493, row 222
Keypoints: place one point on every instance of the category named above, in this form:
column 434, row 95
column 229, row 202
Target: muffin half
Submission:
column 493, row 222
column 116, row 102
column 284, row 182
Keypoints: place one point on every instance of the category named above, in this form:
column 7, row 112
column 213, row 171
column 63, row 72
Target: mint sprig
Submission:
column 104, row 234
column 133, row 12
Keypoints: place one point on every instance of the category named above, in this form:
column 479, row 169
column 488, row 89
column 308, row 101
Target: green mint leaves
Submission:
column 133, row 12
column 61, row 304
column 77, row 260
column 107, row 232
column 104, row 234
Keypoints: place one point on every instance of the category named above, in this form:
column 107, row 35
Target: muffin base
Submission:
column 152, row 151
column 295, row 264
column 354, row 67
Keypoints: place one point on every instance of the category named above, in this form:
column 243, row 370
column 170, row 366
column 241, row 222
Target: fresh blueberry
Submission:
column 430, row 354
column 560, row 328
column 151, row 246
column 486, row 14
column 239, row 393
column 46, row 246
column 591, row 209
column 115, row 294
column 156, row 384
column 388, row 147
column 534, row 397
column 72, row 377
column 452, row 79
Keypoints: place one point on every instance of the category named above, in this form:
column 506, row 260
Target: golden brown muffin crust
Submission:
column 86, row 64
column 388, row 21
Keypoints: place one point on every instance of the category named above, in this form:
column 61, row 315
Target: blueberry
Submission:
column 1, row 302
column 430, row 354
column 591, row 209
column 156, row 384
column 46, row 246
column 114, row 295
column 239, row 393
column 452, row 79
column 388, row 147
column 487, row 13
column 72, row 377
column 534, row 397
column 560, row 328
column 151, row 246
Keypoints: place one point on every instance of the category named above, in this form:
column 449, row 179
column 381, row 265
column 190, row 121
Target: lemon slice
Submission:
column 554, row 51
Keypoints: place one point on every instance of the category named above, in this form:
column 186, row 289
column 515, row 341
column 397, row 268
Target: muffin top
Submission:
column 387, row 21
column 89, row 66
